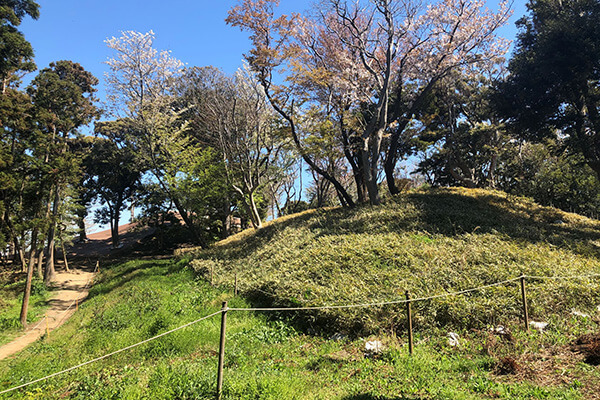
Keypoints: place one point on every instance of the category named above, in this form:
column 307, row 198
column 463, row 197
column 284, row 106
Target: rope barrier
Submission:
column 110, row 354
column 377, row 304
column 563, row 277
column 260, row 309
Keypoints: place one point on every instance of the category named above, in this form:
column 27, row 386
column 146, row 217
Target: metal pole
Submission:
column 410, row 327
column 524, row 298
column 221, row 351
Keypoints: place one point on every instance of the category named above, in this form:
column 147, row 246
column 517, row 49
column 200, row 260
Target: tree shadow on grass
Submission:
column 448, row 212
column 456, row 212
column 128, row 273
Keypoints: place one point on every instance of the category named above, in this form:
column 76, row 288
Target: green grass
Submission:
column 265, row 359
column 428, row 242
column 11, row 297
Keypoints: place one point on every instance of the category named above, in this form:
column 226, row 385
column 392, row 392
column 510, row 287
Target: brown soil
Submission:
column 73, row 286
column 100, row 244
column 554, row 366
column 72, row 290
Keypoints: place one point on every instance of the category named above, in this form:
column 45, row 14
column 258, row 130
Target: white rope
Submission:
column 385, row 303
column 38, row 324
column 331, row 307
column 564, row 277
column 110, row 354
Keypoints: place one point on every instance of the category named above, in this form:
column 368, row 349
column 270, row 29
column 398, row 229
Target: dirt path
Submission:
column 71, row 286
column 75, row 284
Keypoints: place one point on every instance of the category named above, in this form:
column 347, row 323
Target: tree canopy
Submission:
column 552, row 89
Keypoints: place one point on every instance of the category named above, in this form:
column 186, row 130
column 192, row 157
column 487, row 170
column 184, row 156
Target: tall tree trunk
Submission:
column 50, row 271
column 115, row 226
column 81, row 226
column 254, row 210
column 370, row 159
column 40, row 263
column 33, row 246
column 26, row 295
column 356, row 163
column 188, row 222
column 20, row 254
column 62, row 248
column 42, row 253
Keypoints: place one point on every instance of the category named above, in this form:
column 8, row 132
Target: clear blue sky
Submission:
column 194, row 30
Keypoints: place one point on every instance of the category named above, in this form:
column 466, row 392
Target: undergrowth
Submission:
column 266, row 359
column 11, row 297
column 426, row 242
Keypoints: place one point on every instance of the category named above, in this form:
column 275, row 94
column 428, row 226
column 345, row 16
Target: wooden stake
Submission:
column 235, row 286
column 410, row 327
column 221, row 351
column 524, row 299
column 76, row 304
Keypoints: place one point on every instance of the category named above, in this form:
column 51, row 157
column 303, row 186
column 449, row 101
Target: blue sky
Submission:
column 194, row 30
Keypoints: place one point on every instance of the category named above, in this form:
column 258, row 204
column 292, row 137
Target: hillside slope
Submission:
column 428, row 242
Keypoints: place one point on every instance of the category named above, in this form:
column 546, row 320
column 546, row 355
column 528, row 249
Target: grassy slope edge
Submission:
column 428, row 242
column 269, row 359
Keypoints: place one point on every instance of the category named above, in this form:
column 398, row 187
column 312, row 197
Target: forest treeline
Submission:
column 332, row 103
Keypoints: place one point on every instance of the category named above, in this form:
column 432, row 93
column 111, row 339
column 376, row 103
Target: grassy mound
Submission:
column 269, row 360
column 428, row 242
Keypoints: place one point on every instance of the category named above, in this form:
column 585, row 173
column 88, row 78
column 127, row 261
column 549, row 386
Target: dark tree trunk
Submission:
column 20, row 255
column 63, row 249
column 40, row 263
column 81, row 226
column 356, row 163
column 26, row 295
column 188, row 222
column 50, row 271
column 114, row 225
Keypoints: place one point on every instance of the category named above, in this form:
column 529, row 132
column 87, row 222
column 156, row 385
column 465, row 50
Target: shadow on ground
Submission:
column 449, row 212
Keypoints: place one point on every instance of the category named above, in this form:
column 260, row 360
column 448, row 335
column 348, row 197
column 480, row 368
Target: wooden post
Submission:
column 410, row 327
column 211, row 276
column 524, row 299
column 97, row 266
column 221, row 351
column 235, row 286
column 77, row 304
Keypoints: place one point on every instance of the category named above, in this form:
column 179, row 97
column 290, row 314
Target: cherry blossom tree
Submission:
column 370, row 64
column 141, row 92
